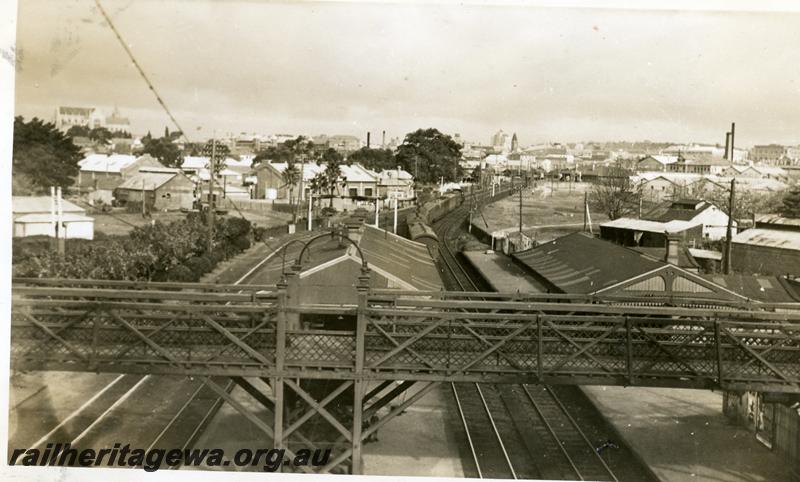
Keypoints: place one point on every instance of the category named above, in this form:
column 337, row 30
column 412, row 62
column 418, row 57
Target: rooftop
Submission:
column 769, row 289
column 772, row 238
column 41, row 204
column 644, row 225
column 113, row 163
column 579, row 263
column 147, row 181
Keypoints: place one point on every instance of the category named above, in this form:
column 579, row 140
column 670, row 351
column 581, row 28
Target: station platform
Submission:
column 500, row 272
column 682, row 435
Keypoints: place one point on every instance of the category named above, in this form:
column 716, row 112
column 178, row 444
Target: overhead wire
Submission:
column 212, row 182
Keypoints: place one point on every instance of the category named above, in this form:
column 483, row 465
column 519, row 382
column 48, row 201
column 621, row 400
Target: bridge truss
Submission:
column 400, row 343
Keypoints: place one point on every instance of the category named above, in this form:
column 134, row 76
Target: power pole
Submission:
column 212, row 167
column 520, row 214
column 729, row 230
column 585, row 204
column 61, row 232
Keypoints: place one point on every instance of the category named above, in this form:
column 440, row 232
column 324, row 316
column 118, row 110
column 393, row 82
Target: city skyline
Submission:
column 549, row 74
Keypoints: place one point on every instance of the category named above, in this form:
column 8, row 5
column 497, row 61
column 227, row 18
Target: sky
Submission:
column 548, row 74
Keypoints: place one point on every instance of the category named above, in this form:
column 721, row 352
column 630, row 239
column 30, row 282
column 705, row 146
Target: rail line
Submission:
column 507, row 412
column 199, row 404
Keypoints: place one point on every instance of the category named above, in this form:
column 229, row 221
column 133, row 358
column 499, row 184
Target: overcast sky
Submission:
column 549, row 74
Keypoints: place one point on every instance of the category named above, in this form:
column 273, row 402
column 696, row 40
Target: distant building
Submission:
column 501, row 141
column 344, row 144
column 32, row 216
column 770, row 153
column 655, row 163
column 713, row 166
column 67, row 117
column 771, row 248
column 117, row 123
column 90, row 117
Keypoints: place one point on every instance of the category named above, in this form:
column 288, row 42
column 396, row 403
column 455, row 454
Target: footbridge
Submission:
column 395, row 340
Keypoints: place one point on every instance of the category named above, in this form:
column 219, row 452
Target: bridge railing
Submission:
column 414, row 337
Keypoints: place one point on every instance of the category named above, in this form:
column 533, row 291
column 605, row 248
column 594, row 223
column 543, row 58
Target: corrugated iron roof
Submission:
column 579, row 263
column 47, row 218
column 778, row 220
column 105, row 163
column 768, row 289
column 405, row 259
column 676, row 226
column 772, row 238
column 147, row 181
column 41, row 205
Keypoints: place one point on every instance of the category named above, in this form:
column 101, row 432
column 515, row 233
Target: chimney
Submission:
column 733, row 133
column 383, row 139
column 367, row 139
column 727, row 146
column 673, row 248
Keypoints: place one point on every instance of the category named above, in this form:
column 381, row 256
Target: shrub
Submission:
column 181, row 273
column 199, row 266
column 241, row 244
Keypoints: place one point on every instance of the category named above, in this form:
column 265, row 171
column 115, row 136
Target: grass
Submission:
column 546, row 213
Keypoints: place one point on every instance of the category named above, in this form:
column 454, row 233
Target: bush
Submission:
column 199, row 266
column 181, row 273
column 242, row 244
column 259, row 234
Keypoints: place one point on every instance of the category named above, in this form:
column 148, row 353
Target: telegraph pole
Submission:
column 520, row 213
column 211, row 168
column 729, row 230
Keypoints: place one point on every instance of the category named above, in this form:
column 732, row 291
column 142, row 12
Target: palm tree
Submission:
column 291, row 176
column 332, row 173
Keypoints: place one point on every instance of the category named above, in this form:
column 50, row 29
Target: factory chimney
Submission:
column 367, row 139
column 727, row 146
column 383, row 140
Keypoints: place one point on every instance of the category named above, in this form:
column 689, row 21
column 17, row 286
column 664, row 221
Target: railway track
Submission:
column 89, row 424
column 516, row 431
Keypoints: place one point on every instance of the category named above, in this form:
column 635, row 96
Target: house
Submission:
column 713, row 220
column 33, row 216
column 161, row 189
column 106, row 172
column 581, row 264
column 771, row 248
column 395, row 184
column 642, row 232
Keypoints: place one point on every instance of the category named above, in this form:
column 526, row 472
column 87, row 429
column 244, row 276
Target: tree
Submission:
column 43, row 155
column 78, row 131
column 332, row 173
column 163, row 149
column 291, row 176
column 430, row 155
column 615, row 194
column 791, row 203
column 375, row 159
column 100, row 135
